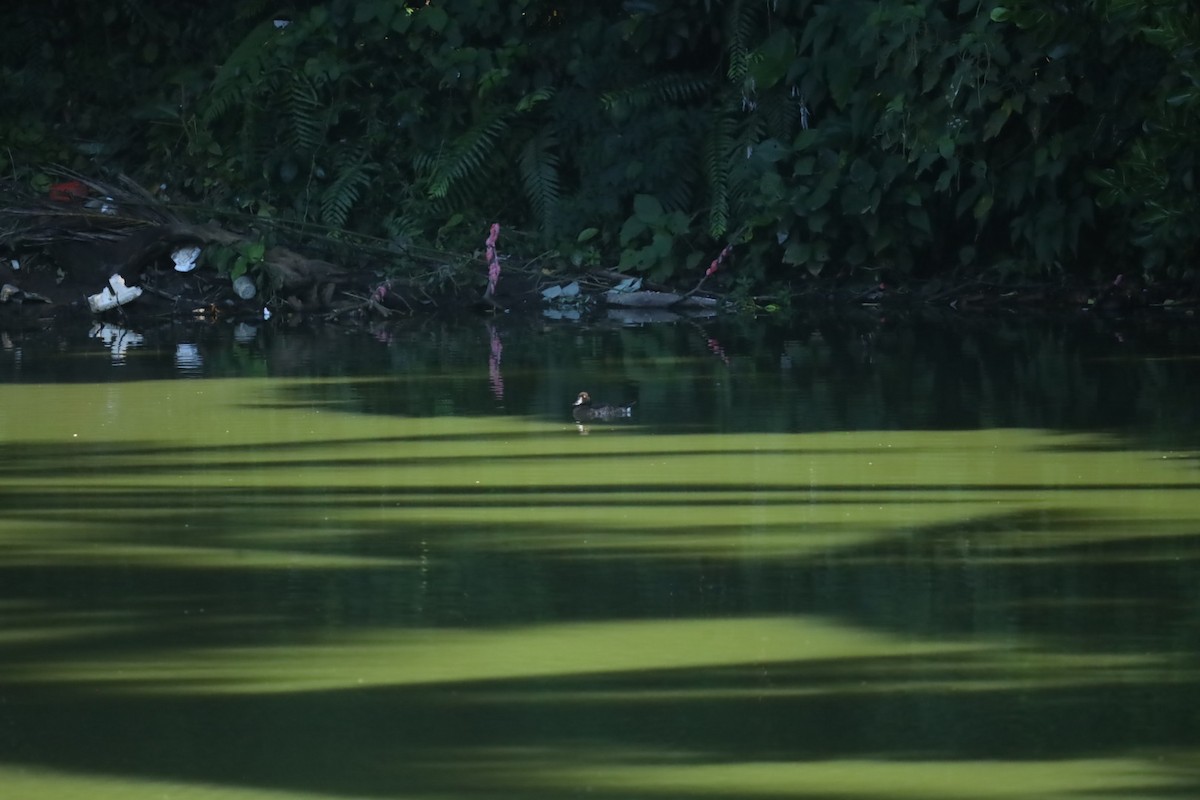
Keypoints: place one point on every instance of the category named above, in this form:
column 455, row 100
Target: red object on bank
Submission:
column 68, row 191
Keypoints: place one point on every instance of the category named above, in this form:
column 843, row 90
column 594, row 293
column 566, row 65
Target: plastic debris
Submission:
column 555, row 292
column 105, row 205
column 11, row 293
column 15, row 264
column 68, row 191
column 117, row 293
column 244, row 287
column 185, row 258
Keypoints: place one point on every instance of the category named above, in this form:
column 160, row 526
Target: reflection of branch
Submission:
column 495, row 378
column 714, row 345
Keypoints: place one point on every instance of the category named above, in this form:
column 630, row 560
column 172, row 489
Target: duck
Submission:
column 584, row 411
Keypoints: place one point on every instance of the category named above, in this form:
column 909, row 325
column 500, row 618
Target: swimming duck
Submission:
column 584, row 411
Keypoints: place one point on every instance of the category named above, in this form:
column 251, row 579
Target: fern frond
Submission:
column 538, row 164
column 718, row 151
column 466, row 156
column 533, row 98
column 303, row 103
column 739, row 31
column 743, row 180
column 238, row 77
column 339, row 197
column 675, row 88
column 782, row 115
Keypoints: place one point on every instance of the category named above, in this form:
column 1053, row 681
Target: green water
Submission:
column 852, row 559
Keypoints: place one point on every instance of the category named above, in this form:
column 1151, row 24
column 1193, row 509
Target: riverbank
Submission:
column 114, row 252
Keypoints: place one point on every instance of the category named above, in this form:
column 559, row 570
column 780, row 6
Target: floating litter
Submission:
column 244, row 287
column 117, row 293
column 185, row 258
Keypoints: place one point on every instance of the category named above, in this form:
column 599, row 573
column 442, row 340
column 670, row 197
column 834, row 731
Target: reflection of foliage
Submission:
column 914, row 135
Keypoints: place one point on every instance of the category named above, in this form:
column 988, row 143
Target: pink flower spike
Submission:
column 716, row 262
column 493, row 260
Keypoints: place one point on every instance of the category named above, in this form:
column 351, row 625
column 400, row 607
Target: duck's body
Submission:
column 584, row 411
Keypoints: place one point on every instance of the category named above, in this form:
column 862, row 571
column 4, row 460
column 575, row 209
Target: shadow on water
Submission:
column 477, row 735
column 442, row 613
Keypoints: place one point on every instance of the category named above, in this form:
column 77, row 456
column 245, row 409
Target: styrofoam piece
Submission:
column 123, row 292
column 117, row 293
column 102, row 300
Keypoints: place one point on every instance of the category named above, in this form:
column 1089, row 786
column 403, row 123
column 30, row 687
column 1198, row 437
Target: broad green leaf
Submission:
column 434, row 17
column 805, row 139
column 632, row 229
column 647, row 208
column 770, row 186
column 854, row 200
column 862, row 173
column 943, row 181
column 919, row 219
column 996, row 121
column 983, row 206
column 771, row 150
column 660, row 245
column 797, row 253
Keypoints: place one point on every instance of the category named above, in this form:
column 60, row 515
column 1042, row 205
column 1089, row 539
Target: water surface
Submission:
column 848, row 558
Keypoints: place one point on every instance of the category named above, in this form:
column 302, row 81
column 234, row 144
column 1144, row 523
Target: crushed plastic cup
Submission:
column 185, row 258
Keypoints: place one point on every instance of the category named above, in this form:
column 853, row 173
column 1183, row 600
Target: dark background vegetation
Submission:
column 1011, row 142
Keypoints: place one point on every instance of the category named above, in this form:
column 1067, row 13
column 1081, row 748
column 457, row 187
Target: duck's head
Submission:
column 584, row 399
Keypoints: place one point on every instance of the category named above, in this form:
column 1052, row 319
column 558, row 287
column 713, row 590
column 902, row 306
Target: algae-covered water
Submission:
column 841, row 559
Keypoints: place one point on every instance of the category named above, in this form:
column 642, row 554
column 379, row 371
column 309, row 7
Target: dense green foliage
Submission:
column 1008, row 139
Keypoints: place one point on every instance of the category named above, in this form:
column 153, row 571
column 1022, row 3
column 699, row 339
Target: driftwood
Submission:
column 657, row 300
column 289, row 270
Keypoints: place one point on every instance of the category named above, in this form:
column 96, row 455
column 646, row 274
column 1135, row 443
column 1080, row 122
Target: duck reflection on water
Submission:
column 584, row 411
